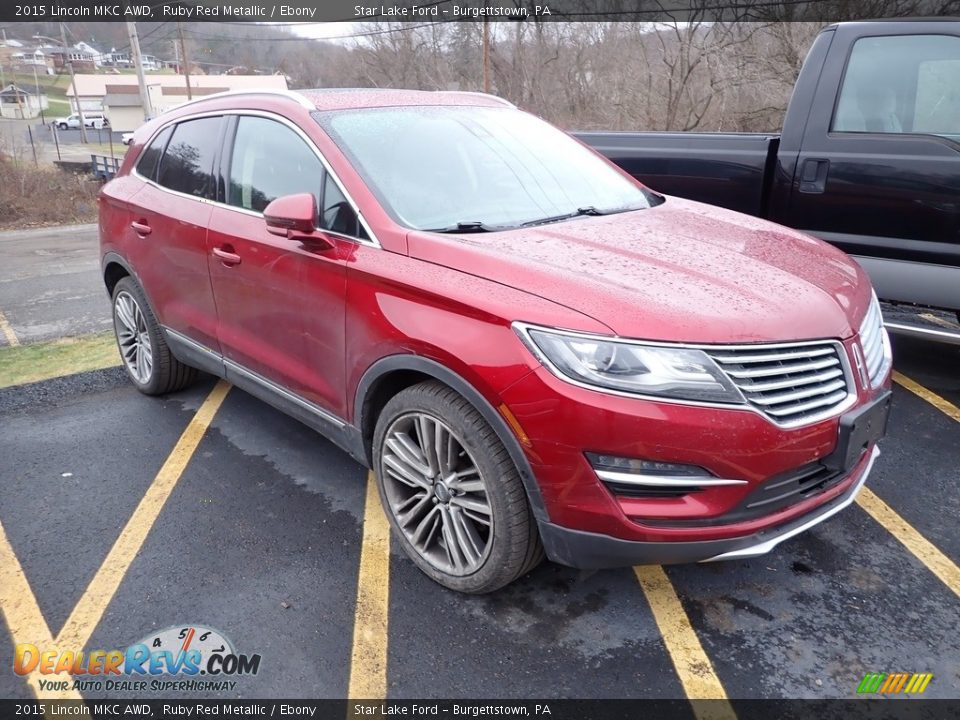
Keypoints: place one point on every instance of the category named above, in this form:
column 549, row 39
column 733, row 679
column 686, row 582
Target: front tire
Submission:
column 451, row 492
column 143, row 349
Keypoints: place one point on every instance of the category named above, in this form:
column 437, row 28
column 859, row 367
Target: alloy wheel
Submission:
column 436, row 494
column 133, row 337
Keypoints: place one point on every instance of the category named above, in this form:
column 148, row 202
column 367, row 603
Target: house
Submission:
column 22, row 101
column 95, row 54
column 7, row 49
column 81, row 60
column 28, row 60
column 117, row 59
column 118, row 96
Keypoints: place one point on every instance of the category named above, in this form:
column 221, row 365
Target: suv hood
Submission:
column 681, row 271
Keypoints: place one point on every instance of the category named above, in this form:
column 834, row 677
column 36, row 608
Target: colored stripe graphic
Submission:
column 894, row 683
column 871, row 682
column 922, row 684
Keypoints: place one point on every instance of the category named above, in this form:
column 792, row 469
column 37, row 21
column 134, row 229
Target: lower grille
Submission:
column 790, row 384
column 777, row 493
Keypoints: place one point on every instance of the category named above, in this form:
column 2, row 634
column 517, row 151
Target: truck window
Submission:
column 901, row 84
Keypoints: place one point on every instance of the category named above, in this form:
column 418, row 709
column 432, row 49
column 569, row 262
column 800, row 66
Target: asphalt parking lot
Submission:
column 122, row 515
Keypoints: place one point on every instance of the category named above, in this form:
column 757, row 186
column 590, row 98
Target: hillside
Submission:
column 214, row 47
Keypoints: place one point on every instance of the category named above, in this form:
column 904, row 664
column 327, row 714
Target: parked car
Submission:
column 534, row 352
column 127, row 138
column 868, row 160
column 90, row 119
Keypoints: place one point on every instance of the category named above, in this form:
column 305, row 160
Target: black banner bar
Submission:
column 857, row 709
column 470, row 10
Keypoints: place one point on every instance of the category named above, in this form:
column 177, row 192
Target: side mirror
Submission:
column 294, row 217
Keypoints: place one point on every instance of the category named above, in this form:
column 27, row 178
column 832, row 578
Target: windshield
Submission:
column 477, row 168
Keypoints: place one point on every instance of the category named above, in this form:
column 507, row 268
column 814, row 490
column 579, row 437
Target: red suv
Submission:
column 535, row 353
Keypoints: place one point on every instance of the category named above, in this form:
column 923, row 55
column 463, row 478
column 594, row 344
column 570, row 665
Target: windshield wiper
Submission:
column 580, row 212
column 470, row 226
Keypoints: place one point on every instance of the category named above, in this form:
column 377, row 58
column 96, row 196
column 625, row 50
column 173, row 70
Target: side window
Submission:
column 187, row 164
column 901, row 84
column 269, row 161
column 147, row 164
column 337, row 214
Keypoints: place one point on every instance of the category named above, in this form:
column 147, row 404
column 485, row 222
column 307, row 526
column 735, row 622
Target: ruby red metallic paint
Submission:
column 314, row 322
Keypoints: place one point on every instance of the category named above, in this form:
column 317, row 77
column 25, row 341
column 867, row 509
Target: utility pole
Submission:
column 73, row 83
column 138, row 64
column 36, row 86
column 186, row 60
column 486, row 55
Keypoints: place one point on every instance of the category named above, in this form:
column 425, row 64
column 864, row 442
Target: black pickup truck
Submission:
column 868, row 159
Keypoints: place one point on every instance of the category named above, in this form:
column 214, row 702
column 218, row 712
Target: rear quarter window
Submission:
column 187, row 162
column 147, row 164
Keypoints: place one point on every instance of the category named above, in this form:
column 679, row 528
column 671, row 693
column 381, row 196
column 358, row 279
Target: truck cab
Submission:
column 868, row 160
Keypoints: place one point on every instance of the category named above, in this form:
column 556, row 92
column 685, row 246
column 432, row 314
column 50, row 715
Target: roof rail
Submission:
column 499, row 99
column 289, row 94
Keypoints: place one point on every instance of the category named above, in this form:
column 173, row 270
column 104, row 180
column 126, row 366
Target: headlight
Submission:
column 630, row 367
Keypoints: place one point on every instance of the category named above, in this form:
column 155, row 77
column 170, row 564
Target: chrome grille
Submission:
column 875, row 343
column 790, row 384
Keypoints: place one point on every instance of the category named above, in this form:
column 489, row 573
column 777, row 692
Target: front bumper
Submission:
column 595, row 551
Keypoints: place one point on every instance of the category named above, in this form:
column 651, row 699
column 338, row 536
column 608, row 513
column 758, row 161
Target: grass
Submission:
column 57, row 108
column 42, row 361
column 119, row 149
column 31, row 196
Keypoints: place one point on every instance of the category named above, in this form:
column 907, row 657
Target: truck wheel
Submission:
column 451, row 492
column 146, row 358
column 62, row 126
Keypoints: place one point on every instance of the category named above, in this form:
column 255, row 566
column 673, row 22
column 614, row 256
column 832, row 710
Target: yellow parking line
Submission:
column 88, row 611
column 368, row 664
column 17, row 600
column 696, row 673
column 944, row 406
column 925, row 551
column 7, row 330
column 23, row 616
column 921, row 548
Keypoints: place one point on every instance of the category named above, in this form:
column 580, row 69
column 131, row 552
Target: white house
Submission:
column 22, row 101
column 95, row 54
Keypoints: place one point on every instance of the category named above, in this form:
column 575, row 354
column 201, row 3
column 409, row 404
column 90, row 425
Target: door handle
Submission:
column 141, row 227
column 227, row 257
column 813, row 177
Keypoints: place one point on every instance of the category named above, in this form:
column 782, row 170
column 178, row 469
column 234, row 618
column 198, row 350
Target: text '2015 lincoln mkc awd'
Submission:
column 535, row 353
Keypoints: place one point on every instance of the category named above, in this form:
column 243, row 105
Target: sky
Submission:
column 324, row 29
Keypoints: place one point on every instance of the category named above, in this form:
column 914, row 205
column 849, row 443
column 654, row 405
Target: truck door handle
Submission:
column 813, row 177
column 227, row 256
column 141, row 227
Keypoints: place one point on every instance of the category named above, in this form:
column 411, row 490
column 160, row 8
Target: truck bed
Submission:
column 727, row 169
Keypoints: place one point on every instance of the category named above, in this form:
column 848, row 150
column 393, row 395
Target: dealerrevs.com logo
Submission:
column 173, row 659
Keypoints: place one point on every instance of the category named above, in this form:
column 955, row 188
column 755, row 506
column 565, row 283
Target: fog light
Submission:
column 645, row 467
column 636, row 477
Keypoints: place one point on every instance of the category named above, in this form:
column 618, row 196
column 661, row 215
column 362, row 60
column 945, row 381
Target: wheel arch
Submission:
column 389, row 375
column 114, row 269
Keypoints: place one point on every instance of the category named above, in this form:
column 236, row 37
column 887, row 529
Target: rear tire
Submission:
column 451, row 492
column 143, row 348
